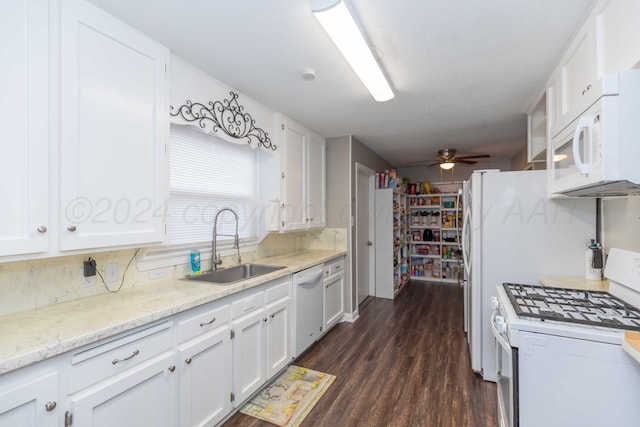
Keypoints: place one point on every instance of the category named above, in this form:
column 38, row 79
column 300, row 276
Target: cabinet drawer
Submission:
column 278, row 291
column 333, row 267
column 110, row 358
column 247, row 304
column 206, row 321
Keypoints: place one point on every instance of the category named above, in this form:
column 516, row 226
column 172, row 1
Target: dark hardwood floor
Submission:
column 403, row 363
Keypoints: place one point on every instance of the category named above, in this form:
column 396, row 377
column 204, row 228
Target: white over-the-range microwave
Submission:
column 598, row 153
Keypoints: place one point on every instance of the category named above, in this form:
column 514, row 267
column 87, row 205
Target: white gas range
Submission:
column 559, row 355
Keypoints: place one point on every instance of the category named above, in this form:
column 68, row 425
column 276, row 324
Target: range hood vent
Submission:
column 606, row 189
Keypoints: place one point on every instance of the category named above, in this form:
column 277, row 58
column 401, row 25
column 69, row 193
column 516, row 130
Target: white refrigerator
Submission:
column 513, row 233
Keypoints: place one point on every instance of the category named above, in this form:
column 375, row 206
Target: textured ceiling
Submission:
column 464, row 71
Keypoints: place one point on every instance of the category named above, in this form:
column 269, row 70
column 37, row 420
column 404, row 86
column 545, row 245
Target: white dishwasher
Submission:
column 308, row 312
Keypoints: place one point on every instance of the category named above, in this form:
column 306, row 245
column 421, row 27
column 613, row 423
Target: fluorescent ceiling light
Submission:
column 447, row 165
column 340, row 26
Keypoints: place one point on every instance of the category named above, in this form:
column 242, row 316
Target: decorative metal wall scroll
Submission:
column 227, row 115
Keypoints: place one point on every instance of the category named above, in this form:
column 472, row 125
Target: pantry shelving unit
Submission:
column 392, row 248
column 436, row 230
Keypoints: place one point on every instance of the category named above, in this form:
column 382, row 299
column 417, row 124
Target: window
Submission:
column 207, row 174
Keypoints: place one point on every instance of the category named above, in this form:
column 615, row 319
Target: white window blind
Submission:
column 208, row 174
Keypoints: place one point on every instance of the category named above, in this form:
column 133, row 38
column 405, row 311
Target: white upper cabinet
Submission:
column 316, row 180
column 618, row 32
column 577, row 72
column 114, row 127
column 606, row 43
column 294, row 140
column 303, row 177
column 24, row 151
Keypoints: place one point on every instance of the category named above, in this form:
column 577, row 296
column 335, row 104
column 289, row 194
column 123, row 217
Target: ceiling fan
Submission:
column 447, row 159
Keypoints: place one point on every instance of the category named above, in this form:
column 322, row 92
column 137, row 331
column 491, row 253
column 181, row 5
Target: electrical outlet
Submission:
column 86, row 281
column 159, row 273
column 112, row 273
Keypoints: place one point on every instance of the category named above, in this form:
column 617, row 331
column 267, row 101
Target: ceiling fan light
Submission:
column 337, row 21
column 447, row 165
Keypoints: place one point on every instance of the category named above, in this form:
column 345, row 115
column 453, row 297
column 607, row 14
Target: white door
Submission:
column 24, row 158
column 204, row 379
column 114, row 128
column 248, row 354
column 364, row 252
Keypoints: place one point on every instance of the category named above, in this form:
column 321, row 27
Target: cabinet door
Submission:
column 618, row 32
column 316, row 180
column 143, row 396
column 293, row 182
column 278, row 347
column 577, row 71
column 31, row 404
column 333, row 291
column 248, row 354
column 114, row 126
column 24, row 154
column 204, row 379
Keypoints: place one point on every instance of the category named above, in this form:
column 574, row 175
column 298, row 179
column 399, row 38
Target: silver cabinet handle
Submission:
column 42, row 229
column 208, row 323
column 50, row 406
column 272, row 315
column 71, row 228
column 134, row 354
column 172, row 368
column 188, row 361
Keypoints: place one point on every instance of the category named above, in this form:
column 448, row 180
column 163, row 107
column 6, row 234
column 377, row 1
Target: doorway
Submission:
column 364, row 249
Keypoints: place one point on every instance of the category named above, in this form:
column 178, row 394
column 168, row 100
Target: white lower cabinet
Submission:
column 204, row 378
column 190, row 370
column 31, row 402
column 249, row 371
column 261, row 331
column 333, row 293
column 278, row 326
column 143, row 395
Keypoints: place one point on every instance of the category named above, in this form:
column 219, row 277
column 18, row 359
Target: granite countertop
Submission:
column 34, row 335
column 571, row 282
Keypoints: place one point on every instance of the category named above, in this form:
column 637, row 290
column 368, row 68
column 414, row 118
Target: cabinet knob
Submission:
column 172, row 368
column 50, row 406
column 265, row 319
column 42, row 229
column 188, row 361
column 272, row 315
column 71, row 228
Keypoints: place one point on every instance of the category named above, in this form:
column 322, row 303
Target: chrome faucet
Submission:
column 215, row 260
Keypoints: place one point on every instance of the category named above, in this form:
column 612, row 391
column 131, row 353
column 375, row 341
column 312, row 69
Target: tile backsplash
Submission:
column 30, row 284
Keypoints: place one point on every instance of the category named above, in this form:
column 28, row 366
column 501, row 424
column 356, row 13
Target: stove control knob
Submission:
column 494, row 303
column 501, row 325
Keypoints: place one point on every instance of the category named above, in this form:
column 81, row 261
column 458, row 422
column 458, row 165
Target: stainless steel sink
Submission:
column 230, row 275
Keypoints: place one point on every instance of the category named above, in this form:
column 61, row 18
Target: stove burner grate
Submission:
column 593, row 308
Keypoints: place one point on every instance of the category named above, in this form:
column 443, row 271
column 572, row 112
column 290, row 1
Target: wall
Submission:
column 621, row 223
column 31, row 284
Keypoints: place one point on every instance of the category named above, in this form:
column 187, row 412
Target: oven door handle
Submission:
column 497, row 334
